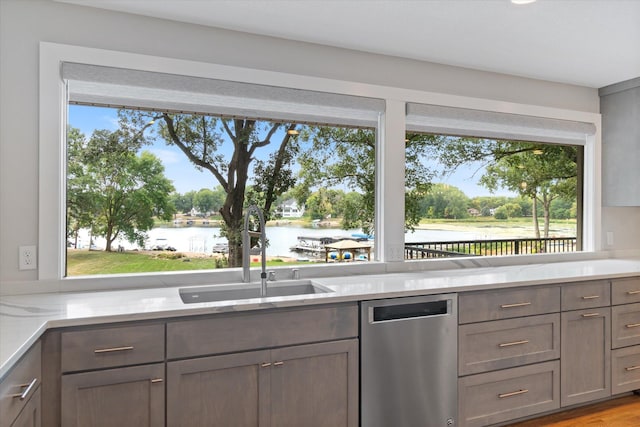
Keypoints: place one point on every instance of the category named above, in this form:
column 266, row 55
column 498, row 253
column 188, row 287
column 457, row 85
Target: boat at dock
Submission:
column 315, row 245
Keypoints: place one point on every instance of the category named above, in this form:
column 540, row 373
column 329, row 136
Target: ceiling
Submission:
column 590, row 43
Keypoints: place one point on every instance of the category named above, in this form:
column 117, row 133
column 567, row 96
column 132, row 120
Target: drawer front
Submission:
column 112, row 347
column 625, row 291
column 249, row 331
column 20, row 384
column 586, row 295
column 500, row 344
column 504, row 304
column 625, row 325
column 625, row 369
column 500, row 396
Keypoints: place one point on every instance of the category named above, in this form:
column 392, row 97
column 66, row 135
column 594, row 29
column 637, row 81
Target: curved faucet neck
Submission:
column 246, row 247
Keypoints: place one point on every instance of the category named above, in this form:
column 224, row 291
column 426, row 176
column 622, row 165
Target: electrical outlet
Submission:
column 27, row 258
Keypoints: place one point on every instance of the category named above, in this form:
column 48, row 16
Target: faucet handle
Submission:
column 271, row 276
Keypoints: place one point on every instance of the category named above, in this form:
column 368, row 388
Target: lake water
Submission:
column 281, row 238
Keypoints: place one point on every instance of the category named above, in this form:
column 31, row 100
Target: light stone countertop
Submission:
column 24, row 318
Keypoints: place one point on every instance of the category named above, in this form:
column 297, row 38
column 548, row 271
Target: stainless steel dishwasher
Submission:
column 409, row 362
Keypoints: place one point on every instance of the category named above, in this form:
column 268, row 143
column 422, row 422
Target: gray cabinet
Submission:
column 310, row 385
column 625, row 335
column 20, row 391
column 287, row 367
column 122, row 397
column 508, row 368
column 499, row 396
column 113, row 376
column 620, row 109
column 30, row 415
column 585, row 355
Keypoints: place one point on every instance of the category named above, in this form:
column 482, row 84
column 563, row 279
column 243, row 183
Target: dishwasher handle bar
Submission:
column 385, row 313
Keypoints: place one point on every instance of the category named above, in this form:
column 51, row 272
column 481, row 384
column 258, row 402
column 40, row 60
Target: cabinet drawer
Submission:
column 249, row 331
column 20, row 384
column 625, row 291
column 586, row 295
column 507, row 343
column 509, row 394
column 625, row 369
column 504, row 304
column 625, row 325
column 111, row 347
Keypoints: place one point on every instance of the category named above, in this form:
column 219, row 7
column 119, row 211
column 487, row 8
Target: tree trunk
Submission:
column 547, row 214
column 534, row 212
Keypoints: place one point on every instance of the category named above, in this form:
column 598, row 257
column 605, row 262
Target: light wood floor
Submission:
column 620, row 412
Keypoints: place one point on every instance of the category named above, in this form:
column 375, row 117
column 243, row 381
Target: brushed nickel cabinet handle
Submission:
column 156, row 380
column 632, row 368
column 266, row 364
column 591, row 297
column 632, row 325
column 591, row 314
column 633, row 292
column 112, row 349
column 518, row 304
column 27, row 389
column 509, row 344
column 278, row 363
column 513, row 393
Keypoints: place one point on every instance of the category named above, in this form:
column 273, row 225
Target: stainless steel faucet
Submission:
column 246, row 248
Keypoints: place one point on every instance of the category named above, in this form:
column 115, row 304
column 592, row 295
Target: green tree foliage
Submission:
column 541, row 172
column 345, row 157
column 121, row 190
column 80, row 187
column 226, row 148
column 205, row 201
column 444, row 201
column 182, row 202
column 508, row 210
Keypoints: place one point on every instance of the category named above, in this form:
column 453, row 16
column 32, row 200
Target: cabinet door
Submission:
column 114, row 397
column 229, row 390
column 585, row 355
column 30, row 415
column 315, row 385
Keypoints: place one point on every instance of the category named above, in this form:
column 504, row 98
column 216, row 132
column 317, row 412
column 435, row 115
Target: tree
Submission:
column 80, row 187
column 345, row 157
column 127, row 190
column 226, row 148
column 182, row 202
column 444, row 201
column 542, row 174
column 205, row 200
column 318, row 205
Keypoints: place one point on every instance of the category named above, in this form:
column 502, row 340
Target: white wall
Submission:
column 24, row 23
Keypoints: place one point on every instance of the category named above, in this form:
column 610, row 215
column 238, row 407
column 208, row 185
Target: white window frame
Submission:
column 389, row 157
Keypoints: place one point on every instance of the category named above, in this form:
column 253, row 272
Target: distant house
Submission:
column 290, row 209
column 473, row 212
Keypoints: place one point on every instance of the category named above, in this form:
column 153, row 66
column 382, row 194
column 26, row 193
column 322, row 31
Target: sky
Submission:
column 187, row 178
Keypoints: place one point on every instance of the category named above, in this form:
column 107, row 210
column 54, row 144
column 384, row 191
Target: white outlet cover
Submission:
column 27, row 258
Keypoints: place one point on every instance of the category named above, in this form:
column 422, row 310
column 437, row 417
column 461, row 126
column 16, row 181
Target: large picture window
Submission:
column 490, row 190
column 153, row 186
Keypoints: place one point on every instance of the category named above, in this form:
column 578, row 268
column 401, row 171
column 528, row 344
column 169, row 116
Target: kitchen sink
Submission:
column 246, row 291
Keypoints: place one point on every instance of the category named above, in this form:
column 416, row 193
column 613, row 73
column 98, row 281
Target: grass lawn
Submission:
column 84, row 262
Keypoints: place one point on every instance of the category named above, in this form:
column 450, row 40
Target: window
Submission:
column 117, row 79
column 474, row 195
column 160, row 169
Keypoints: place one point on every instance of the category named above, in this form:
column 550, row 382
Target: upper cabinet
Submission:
column 620, row 108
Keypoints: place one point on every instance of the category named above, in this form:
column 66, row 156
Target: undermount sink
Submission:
column 246, row 291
